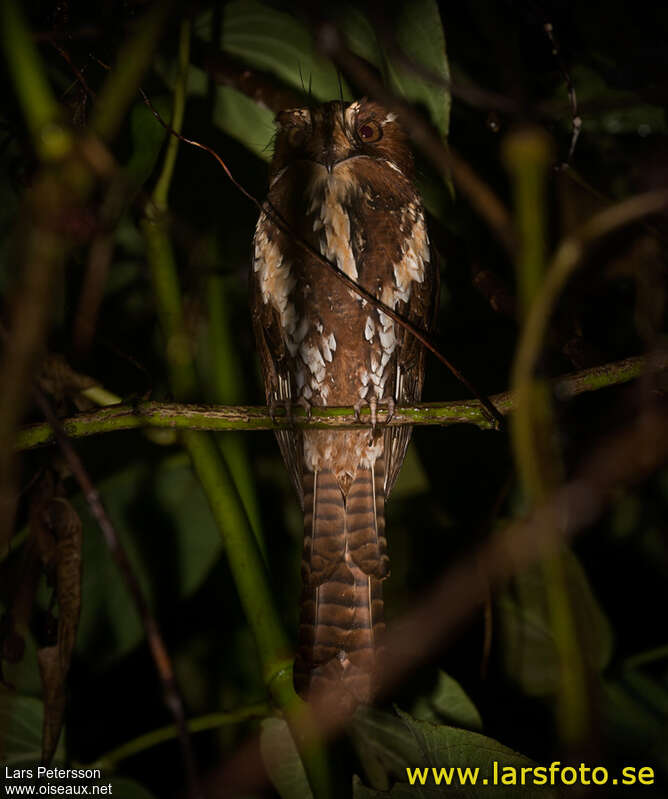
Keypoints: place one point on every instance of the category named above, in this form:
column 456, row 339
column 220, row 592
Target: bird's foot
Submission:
column 373, row 404
column 285, row 404
column 288, row 406
column 306, row 405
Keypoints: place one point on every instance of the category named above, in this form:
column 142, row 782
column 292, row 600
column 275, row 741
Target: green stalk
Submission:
column 533, row 431
column 227, row 389
column 60, row 191
column 50, row 137
column 244, row 557
column 133, row 59
column 246, row 563
column 211, row 721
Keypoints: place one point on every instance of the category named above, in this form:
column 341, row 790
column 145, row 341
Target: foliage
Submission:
column 470, row 703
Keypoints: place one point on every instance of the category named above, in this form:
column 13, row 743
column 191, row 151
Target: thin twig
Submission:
column 244, row 417
column 154, row 638
column 576, row 119
column 78, row 74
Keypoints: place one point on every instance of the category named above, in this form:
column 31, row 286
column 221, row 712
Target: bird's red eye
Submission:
column 369, row 131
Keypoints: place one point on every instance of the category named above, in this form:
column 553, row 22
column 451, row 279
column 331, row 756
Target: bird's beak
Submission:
column 329, row 158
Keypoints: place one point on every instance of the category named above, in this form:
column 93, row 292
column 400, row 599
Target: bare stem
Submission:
column 154, row 638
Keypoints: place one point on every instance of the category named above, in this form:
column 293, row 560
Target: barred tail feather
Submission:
column 344, row 563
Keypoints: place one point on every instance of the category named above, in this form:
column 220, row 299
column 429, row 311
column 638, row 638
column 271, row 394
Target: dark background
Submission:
column 460, row 482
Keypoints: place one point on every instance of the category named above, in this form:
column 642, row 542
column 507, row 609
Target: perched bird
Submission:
column 342, row 179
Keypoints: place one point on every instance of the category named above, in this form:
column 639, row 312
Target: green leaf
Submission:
column 162, row 517
column 402, row 790
column 407, row 743
column 635, row 712
column 282, row 760
column 147, row 136
column 276, row 42
column 420, row 37
column 399, row 791
column 244, row 120
column 442, row 745
column 21, row 719
column 198, row 542
column 384, row 745
column 529, row 650
column 448, row 703
column 360, row 35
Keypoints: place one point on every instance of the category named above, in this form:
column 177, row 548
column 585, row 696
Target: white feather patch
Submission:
column 330, row 193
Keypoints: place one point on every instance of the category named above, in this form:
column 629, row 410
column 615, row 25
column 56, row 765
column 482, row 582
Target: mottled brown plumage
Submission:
column 342, row 178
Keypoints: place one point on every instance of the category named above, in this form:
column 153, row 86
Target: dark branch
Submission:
column 161, row 658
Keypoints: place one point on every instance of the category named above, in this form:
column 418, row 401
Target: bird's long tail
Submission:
column 344, row 563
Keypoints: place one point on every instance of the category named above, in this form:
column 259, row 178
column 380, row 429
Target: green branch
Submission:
column 132, row 61
column 243, row 553
column 534, row 439
column 210, row 721
column 51, row 139
column 565, row 262
column 227, row 388
column 528, row 155
column 218, row 418
column 58, row 194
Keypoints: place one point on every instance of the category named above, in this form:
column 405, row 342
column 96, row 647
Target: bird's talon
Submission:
column 306, row 405
column 272, row 405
